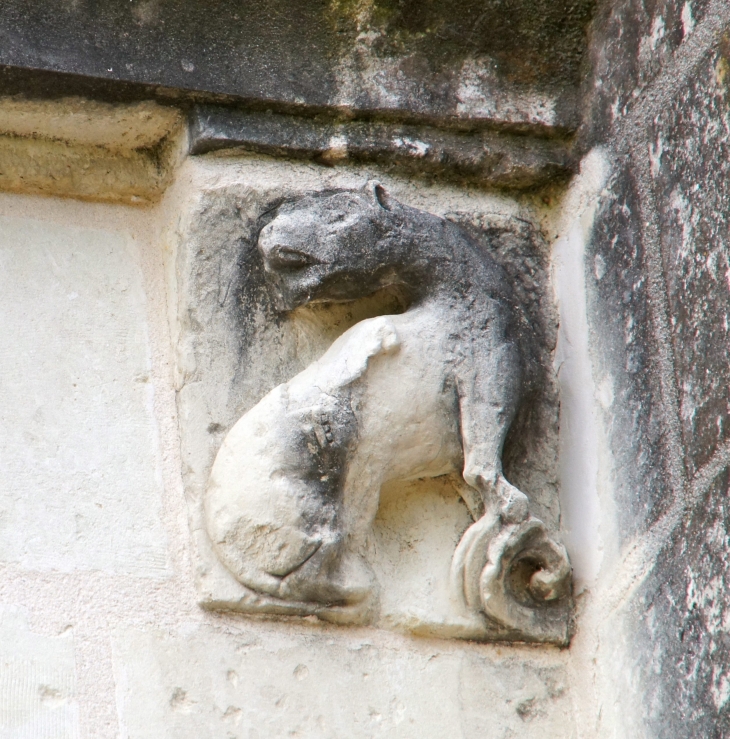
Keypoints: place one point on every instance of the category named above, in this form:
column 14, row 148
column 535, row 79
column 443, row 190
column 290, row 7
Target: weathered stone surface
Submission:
column 79, row 479
column 513, row 62
column 632, row 42
column 37, row 682
column 87, row 149
column 257, row 682
column 690, row 148
column 625, row 367
column 488, row 158
column 681, row 618
column 433, row 390
column 415, row 533
column 118, row 128
column 666, row 225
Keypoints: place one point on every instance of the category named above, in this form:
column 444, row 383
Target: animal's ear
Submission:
column 377, row 194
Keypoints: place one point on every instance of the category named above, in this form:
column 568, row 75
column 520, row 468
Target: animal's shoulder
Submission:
column 347, row 359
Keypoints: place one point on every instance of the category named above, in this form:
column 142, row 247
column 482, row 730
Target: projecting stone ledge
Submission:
column 486, row 157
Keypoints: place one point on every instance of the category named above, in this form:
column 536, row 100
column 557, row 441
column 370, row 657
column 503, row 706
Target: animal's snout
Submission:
column 288, row 257
column 284, row 246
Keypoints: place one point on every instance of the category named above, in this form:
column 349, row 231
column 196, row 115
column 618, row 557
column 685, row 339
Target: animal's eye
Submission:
column 285, row 256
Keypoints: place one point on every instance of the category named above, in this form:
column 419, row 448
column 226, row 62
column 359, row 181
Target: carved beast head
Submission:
column 327, row 248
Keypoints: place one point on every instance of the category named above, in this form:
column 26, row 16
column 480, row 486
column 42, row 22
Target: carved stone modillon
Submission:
column 295, row 487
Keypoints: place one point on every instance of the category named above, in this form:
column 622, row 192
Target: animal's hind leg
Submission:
column 333, row 575
column 337, row 573
column 489, row 385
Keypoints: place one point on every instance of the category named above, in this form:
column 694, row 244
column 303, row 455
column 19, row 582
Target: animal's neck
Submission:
column 437, row 262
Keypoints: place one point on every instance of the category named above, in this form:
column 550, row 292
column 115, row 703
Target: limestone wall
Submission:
column 137, row 329
column 102, row 632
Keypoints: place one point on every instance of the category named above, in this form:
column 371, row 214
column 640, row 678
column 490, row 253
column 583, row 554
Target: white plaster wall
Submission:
column 100, row 634
column 91, row 512
column 80, row 479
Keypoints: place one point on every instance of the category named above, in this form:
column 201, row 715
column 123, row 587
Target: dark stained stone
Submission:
column 484, row 157
column 673, row 652
column 621, row 328
column 403, row 58
column 530, row 42
column 691, row 165
column 680, row 622
column 633, row 41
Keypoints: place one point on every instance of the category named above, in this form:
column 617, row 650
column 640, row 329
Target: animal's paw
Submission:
column 513, row 503
column 376, row 336
column 349, row 356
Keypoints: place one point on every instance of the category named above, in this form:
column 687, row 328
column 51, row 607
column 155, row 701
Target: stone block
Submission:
column 633, row 41
column 486, row 158
column 37, row 682
column 514, row 62
column 80, row 478
column 234, row 348
column 690, row 158
column 256, row 682
column 680, row 623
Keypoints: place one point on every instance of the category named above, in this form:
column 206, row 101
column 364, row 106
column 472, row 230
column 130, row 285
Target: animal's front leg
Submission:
column 507, row 566
column 488, row 383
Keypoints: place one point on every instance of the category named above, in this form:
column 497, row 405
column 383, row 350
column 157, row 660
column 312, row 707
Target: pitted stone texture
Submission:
column 79, row 481
column 516, row 61
column 37, row 682
column 690, row 158
column 621, row 328
column 634, row 40
column 413, row 565
column 254, row 683
column 681, row 619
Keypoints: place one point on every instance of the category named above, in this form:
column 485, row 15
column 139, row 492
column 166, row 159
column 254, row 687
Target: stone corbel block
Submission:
column 429, row 367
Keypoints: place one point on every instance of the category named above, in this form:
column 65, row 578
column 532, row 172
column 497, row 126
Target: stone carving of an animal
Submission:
column 295, row 486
